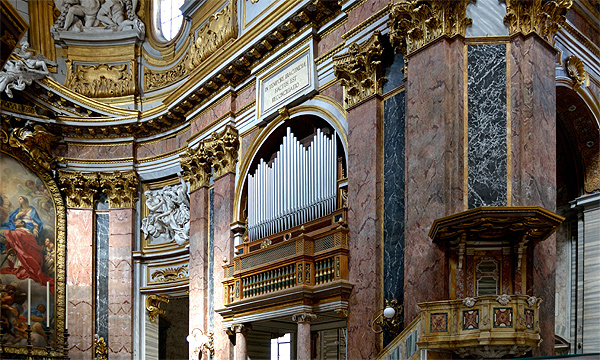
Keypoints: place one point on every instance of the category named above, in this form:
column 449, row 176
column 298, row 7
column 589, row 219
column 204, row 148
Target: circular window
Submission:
column 170, row 18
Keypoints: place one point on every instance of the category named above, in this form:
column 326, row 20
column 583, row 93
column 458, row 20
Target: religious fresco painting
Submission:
column 27, row 256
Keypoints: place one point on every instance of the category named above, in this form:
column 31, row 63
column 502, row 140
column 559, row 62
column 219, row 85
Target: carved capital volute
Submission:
column 121, row 188
column 240, row 328
column 414, row 24
column 196, row 167
column 304, row 317
column 360, row 70
column 223, row 148
column 542, row 17
column 79, row 188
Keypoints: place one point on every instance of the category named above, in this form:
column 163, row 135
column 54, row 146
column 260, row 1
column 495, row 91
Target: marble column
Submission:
column 80, row 280
column 121, row 189
column 198, row 266
column 589, row 282
column 303, row 338
column 224, row 190
column 435, row 174
column 241, row 341
column 533, row 180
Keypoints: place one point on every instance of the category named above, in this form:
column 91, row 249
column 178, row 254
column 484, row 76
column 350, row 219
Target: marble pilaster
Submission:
column 80, row 282
column 435, row 133
column 198, row 269
column 533, row 159
column 120, row 278
column 365, row 172
column 224, row 190
column 303, row 344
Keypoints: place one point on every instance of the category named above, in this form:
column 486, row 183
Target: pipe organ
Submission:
column 299, row 186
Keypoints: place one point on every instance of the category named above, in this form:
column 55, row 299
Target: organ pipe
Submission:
column 299, row 186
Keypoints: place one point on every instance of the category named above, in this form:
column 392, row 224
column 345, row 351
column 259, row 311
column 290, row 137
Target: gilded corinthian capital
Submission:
column 542, row 17
column 223, row 148
column 121, row 188
column 360, row 70
column 196, row 167
column 414, row 24
column 79, row 188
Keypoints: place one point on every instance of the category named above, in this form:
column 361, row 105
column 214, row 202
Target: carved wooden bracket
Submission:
column 153, row 306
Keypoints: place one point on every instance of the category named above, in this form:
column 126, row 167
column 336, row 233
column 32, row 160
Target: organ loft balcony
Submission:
column 304, row 265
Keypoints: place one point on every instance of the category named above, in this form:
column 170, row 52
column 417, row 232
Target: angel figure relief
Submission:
column 36, row 141
column 22, row 69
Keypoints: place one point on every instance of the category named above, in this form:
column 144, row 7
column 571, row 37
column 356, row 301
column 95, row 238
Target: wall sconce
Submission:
column 201, row 342
column 388, row 318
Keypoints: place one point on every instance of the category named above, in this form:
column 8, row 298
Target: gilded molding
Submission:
column 543, row 17
column 414, row 24
column 121, row 188
column 153, row 306
column 34, row 141
column 219, row 28
column 360, row 70
column 102, row 80
column 576, row 71
column 170, row 274
column 79, row 188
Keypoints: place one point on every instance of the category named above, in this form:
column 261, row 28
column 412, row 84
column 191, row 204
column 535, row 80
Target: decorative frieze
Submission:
column 219, row 151
column 414, row 24
column 360, row 70
column 79, row 188
column 542, row 17
column 170, row 274
column 121, row 188
column 102, row 80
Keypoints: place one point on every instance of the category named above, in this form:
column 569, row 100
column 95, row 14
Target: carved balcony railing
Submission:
column 310, row 256
column 489, row 326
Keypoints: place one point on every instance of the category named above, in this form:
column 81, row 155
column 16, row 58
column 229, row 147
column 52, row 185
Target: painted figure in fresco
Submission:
column 28, row 259
column 49, row 254
column 28, row 214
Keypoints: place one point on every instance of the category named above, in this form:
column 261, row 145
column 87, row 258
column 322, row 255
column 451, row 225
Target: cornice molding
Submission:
column 360, row 70
column 543, row 17
column 414, row 24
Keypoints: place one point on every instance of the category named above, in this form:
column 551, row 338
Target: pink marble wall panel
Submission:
column 434, row 166
column 583, row 25
column 161, row 147
column 100, row 152
column 533, row 129
column 224, row 190
column 244, row 98
column 507, row 278
column 247, row 141
column 365, row 171
column 335, row 91
column 120, row 284
column 198, row 266
column 332, row 40
column 469, row 279
column 80, row 282
column 213, row 114
column 364, row 11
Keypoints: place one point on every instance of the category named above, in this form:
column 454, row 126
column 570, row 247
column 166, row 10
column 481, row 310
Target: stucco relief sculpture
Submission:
column 169, row 214
column 92, row 16
column 23, row 70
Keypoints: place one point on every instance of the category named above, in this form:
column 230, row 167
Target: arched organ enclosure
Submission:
column 296, row 177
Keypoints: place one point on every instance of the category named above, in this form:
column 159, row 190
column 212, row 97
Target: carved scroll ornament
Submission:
column 153, row 306
column 576, row 71
column 414, row 24
column 102, row 80
column 542, row 17
column 360, row 70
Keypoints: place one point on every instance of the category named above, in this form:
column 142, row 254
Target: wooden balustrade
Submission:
column 311, row 255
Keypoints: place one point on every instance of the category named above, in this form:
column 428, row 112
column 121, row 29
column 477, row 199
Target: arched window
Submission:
column 170, row 18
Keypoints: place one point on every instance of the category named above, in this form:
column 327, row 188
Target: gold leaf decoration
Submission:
column 102, row 80
column 542, row 17
column 414, row 24
column 170, row 274
column 575, row 69
column 360, row 70
column 79, row 188
column 120, row 187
